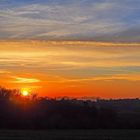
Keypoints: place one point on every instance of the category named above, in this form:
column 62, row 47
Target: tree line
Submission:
column 17, row 112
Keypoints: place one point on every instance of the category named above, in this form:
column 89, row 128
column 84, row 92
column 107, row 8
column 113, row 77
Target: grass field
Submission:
column 70, row 135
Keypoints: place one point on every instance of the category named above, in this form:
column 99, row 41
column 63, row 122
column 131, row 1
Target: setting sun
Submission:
column 25, row 92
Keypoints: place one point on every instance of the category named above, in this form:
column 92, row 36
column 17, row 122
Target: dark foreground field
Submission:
column 70, row 135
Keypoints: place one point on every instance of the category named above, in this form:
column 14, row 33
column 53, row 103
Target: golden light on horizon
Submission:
column 25, row 92
column 73, row 69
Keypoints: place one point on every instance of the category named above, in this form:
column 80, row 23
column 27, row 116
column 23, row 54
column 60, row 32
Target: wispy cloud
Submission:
column 69, row 56
column 130, row 77
column 4, row 72
column 24, row 80
column 90, row 20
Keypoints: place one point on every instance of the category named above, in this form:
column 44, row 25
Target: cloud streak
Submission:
column 130, row 77
column 24, row 80
column 70, row 58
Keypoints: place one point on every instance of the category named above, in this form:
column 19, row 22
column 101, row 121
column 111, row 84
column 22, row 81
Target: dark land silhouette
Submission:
column 17, row 112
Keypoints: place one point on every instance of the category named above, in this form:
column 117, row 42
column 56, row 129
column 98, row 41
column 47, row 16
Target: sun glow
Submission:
column 25, row 92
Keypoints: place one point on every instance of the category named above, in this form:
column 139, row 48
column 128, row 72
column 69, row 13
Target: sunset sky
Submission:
column 71, row 48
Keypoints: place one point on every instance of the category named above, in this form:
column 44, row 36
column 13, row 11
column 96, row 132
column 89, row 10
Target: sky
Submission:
column 98, row 20
column 75, row 48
